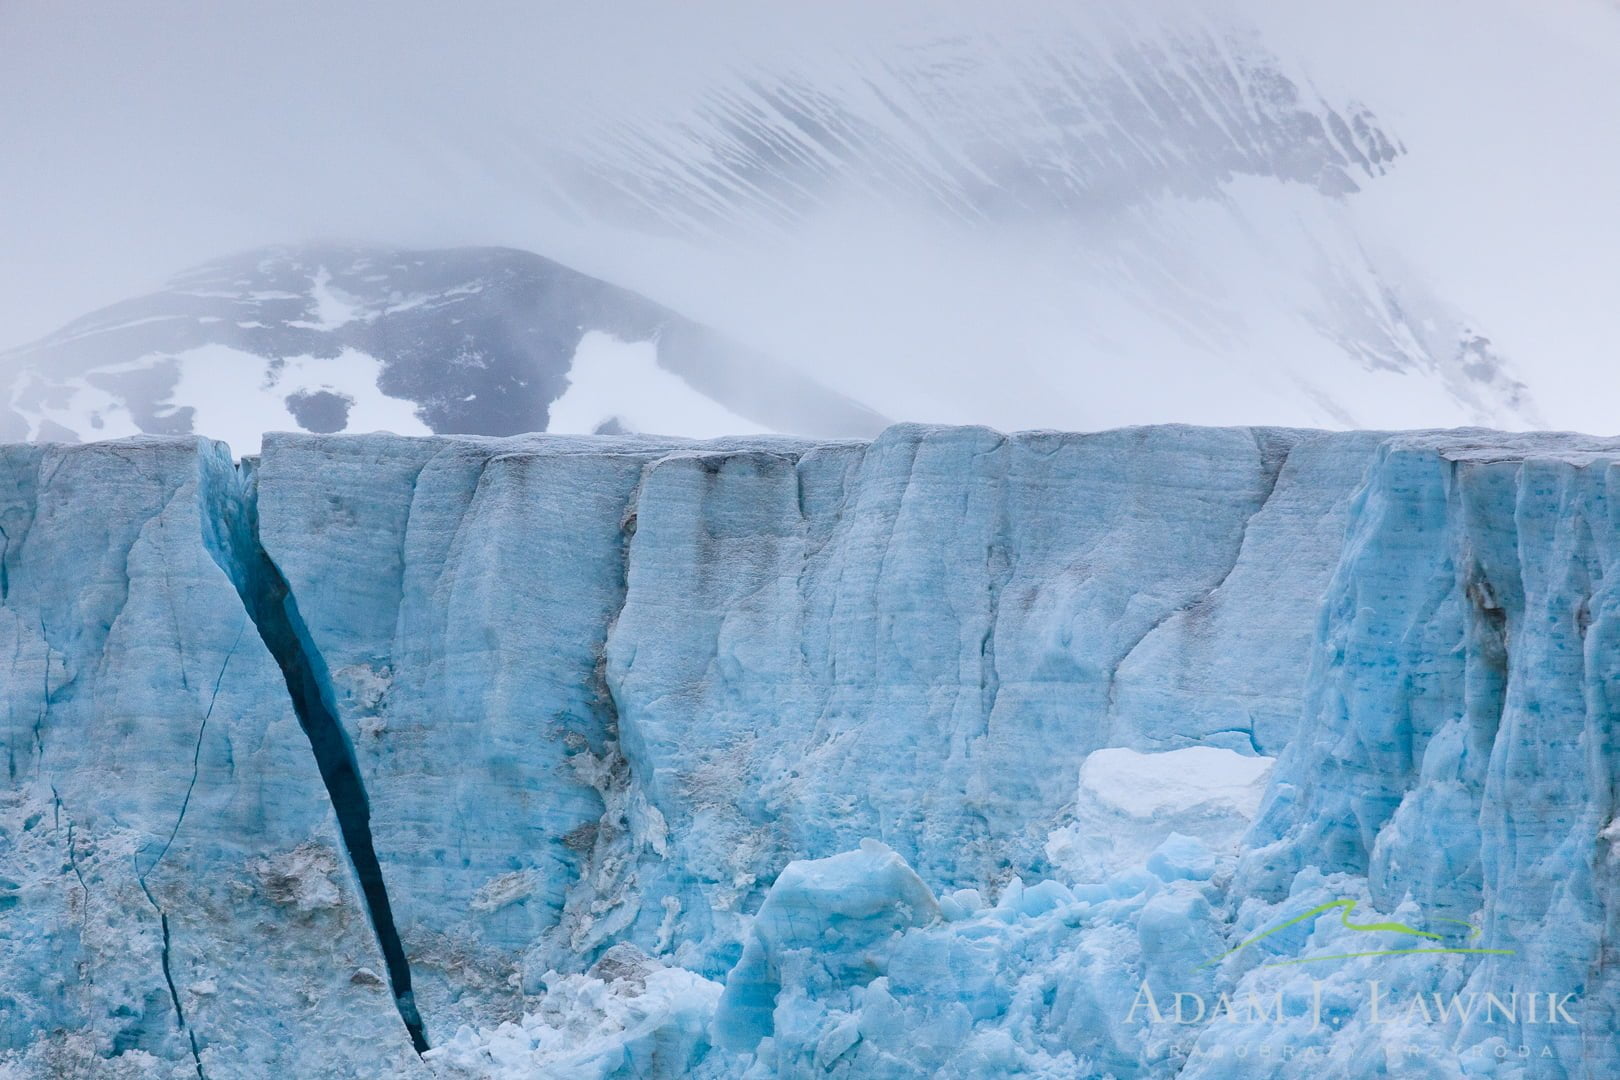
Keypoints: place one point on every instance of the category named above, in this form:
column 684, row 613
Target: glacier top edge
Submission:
column 1468, row 444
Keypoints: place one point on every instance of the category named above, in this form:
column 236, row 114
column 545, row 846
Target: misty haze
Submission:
column 1068, row 216
column 810, row 540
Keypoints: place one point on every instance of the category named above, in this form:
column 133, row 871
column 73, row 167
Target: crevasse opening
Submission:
column 231, row 534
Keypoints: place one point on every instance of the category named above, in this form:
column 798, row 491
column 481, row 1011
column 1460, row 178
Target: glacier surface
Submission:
column 1154, row 752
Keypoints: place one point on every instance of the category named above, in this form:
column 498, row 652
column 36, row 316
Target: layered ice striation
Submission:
column 947, row 754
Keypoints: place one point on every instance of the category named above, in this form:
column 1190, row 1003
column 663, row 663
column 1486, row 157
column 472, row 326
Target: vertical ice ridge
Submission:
column 231, row 534
column 168, row 979
column 605, row 900
column 998, row 566
column 73, row 857
column 1457, row 748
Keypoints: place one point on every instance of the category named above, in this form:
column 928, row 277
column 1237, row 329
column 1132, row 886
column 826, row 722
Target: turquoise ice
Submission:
column 951, row 754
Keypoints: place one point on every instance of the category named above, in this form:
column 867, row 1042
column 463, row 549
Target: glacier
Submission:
column 1168, row 751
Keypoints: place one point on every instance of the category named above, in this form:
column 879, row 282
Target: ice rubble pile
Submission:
column 616, row 757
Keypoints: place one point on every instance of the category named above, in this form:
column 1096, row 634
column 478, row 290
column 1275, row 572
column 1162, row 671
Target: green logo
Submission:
column 1345, row 908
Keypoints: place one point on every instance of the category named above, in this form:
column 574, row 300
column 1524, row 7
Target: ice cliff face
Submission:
column 176, row 888
column 613, row 757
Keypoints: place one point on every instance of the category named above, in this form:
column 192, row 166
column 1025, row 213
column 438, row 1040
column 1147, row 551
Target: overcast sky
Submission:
column 143, row 138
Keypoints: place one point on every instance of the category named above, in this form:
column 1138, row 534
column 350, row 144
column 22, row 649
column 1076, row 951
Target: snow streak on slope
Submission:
column 1073, row 116
column 1073, row 215
column 1055, row 219
column 616, row 386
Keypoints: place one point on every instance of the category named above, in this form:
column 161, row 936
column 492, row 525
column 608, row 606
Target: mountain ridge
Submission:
column 329, row 338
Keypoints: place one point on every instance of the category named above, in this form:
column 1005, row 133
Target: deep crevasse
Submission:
column 231, row 533
column 166, row 839
column 602, row 692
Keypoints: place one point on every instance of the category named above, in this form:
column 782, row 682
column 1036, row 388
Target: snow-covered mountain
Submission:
column 1065, row 218
column 488, row 341
column 1033, row 214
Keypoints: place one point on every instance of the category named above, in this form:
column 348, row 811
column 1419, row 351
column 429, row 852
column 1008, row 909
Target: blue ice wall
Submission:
column 645, row 678
column 753, row 757
column 175, row 894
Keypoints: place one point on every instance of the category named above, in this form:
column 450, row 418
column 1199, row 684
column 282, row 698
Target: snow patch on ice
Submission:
column 1129, row 803
column 1152, row 785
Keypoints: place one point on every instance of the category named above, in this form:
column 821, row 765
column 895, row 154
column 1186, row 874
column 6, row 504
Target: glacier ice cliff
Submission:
column 947, row 754
column 176, row 888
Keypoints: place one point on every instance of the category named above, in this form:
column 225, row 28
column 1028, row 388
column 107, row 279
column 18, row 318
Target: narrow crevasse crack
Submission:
column 163, row 924
column 196, row 752
column 998, row 571
column 174, row 612
column 73, row 855
column 168, row 977
column 44, row 700
column 1274, row 454
column 837, row 534
column 231, row 533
